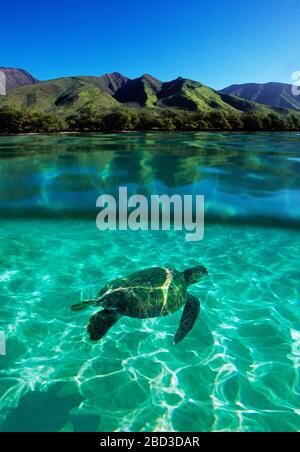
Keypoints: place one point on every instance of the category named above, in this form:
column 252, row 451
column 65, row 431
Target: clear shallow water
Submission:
column 239, row 367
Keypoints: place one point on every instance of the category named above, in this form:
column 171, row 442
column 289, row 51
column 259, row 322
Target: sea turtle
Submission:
column 155, row 292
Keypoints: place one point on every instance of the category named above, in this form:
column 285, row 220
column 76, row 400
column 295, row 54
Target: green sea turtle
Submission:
column 155, row 292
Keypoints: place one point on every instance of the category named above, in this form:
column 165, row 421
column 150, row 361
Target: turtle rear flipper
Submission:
column 188, row 319
column 84, row 305
column 101, row 322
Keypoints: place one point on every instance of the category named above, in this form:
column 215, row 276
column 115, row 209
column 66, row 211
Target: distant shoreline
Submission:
column 86, row 132
column 23, row 121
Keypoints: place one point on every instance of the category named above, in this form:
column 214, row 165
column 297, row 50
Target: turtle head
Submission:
column 194, row 275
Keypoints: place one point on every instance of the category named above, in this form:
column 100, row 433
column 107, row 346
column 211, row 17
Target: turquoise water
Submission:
column 238, row 370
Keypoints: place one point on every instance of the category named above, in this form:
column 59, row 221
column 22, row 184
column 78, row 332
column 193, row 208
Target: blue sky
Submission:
column 217, row 43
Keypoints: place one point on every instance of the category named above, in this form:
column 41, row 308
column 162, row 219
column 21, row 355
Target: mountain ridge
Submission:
column 16, row 77
column 272, row 94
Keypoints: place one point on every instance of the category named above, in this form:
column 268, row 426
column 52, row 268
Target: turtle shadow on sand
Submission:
column 150, row 293
column 33, row 413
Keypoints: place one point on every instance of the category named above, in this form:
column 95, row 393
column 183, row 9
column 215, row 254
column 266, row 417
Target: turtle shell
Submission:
column 148, row 293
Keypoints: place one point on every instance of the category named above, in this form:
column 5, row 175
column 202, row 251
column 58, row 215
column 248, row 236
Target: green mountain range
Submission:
column 69, row 95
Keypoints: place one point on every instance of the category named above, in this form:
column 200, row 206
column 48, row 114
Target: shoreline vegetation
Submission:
column 16, row 121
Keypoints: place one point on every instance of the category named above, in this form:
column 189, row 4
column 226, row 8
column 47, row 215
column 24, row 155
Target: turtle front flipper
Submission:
column 100, row 323
column 188, row 319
